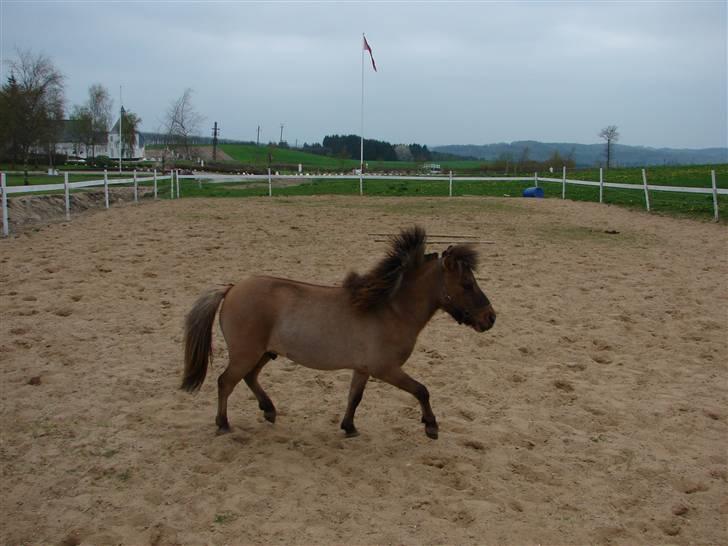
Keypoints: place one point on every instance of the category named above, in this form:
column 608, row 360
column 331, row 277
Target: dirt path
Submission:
column 594, row 411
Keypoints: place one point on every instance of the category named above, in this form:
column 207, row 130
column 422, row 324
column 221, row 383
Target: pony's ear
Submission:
column 448, row 260
column 431, row 256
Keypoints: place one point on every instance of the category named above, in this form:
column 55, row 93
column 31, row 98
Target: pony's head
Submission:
column 461, row 296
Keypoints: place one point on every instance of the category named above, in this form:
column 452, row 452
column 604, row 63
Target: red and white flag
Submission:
column 369, row 49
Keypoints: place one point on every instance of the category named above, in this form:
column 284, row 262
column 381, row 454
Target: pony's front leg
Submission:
column 358, row 382
column 400, row 379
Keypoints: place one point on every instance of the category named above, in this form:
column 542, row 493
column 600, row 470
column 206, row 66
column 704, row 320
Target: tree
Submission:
column 524, row 160
column 610, row 135
column 129, row 127
column 182, row 121
column 99, row 108
column 82, row 129
column 33, row 100
column 403, row 152
column 10, row 119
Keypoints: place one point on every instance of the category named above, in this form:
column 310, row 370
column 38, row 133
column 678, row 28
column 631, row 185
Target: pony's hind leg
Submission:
column 358, row 382
column 240, row 365
column 264, row 401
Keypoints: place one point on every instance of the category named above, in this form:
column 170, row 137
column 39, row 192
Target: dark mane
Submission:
column 465, row 255
column 406, row 253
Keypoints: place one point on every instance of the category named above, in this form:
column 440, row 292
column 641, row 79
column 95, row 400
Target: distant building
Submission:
column 433, row 168
column 68, row 144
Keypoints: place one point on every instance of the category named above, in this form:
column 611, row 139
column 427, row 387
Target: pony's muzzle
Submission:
column 486, row 320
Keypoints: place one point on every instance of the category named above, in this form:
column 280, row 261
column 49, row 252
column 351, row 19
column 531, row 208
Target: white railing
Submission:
column 646, row 188
column 213, row 178
column 67, row 186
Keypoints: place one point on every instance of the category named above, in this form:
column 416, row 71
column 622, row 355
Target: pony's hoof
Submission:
column 270, row 416
column 353, row 433
column 431, row 432
column 223, row 425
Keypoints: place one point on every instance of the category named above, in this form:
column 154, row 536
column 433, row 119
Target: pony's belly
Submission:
column 324, row 349
column 321, row 356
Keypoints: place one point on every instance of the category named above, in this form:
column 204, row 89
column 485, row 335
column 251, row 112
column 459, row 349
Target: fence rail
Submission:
column 67, row 186
column 213, row 178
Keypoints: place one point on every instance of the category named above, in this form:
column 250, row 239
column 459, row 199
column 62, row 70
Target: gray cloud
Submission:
column 458, row 72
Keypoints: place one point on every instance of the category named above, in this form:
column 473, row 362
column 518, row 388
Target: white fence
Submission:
column 67, row 186
column 213, row 178
column 645, row 187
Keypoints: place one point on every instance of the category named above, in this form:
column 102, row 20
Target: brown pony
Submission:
column 369, row 325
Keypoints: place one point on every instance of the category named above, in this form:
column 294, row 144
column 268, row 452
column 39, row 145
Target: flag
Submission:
column 369, row 49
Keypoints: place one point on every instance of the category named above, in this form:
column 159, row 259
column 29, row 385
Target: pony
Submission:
column 369, row 324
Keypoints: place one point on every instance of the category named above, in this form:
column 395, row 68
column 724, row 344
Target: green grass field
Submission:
column 698, row 206
column 688, row 175
column 257, row 156
column 681, row 204
column 34, row 180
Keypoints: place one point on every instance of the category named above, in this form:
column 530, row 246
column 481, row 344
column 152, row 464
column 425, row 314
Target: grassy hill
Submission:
column 257, row 156
column 587, row 155
column 287, row 160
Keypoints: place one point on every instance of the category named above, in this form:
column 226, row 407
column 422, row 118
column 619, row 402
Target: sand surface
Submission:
column 594, row 411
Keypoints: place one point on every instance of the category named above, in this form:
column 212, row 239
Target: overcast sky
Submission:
column 449, row 73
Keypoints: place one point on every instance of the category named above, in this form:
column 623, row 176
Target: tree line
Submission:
column 349, row 147
column 33, row 116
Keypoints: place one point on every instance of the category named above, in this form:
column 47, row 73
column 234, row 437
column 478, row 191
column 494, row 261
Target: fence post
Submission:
column 155, row 183
column 715, row 196
column 6, row 230
column 450, row 183
column 171, row 183
column 563, row 182
column 136, row 193
column 535, row 179
column 176, row 173
column 601, row 185
column 270, row 185
column 67, row 191
column 106, row 188
column 361, row 182
column 647, row 193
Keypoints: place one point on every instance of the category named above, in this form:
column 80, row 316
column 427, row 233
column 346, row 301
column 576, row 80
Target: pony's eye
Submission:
column 468, row 285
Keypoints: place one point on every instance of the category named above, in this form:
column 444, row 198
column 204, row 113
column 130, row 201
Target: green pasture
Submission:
column 687, row 175
column 257, row 156
column 163, row 186
column 691, row 205
column 681, row 204
column 40, row 179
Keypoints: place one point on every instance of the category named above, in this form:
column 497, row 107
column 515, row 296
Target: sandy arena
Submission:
column 593, row 412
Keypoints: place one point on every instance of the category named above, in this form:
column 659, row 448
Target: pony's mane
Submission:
column 406, row 253
column 465, row 255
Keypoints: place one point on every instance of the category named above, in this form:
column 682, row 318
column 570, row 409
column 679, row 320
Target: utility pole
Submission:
column 215, row 133
column 281, row 140
column 257, row 140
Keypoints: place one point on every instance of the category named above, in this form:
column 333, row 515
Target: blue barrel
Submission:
column 533, row 192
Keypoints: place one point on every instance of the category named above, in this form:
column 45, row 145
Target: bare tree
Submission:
column 610, row 135
column 38, row 101
column 182, row 121
column 403, row 152
column 99, row 107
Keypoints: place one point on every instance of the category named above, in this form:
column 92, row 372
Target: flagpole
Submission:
column 121, row 116
column 361, row 144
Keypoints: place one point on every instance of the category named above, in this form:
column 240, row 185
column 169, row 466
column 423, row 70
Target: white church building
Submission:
column 111, row 148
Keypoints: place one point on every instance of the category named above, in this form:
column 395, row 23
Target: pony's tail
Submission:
column 198, row 337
